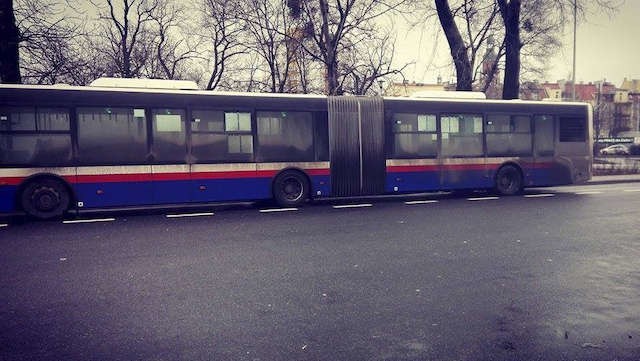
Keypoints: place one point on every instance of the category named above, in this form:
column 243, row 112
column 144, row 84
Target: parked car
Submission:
column 620, row 149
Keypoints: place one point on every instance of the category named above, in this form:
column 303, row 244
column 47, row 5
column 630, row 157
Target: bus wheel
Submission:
column 290, row 188
column 45, row 198
column 508, row 180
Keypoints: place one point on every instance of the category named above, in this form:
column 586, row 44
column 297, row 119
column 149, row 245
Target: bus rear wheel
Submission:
column 45, row 198
column 290, row 189
column 509, row 180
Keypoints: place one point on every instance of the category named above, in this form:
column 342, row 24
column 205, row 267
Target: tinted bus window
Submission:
column 508, row 135
column 414, row 135
column 35, row 136
column 544, row 135
column 27, row 119
column 169, row 135
column 572, row 129
column 461, row 135
column 111, row 135
column 285, row 136
column 221, row 136
column 36, row 149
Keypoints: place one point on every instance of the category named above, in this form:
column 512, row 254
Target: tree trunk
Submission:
column 456, row 44
column 511, row 15
column 9, row 56
column 329, row 52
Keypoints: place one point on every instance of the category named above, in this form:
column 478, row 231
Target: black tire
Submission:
column 509, row 180
column 290, row 189
column 45, row 198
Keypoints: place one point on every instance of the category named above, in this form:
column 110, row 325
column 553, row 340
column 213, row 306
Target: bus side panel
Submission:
column 171, row 184
column 320, row 185
column 472, row 173
column 227, row 182
column 412, row 175
column 547, row 173
column 7, row 197
column 114, row 194
column 230, row 189
column 113, row 186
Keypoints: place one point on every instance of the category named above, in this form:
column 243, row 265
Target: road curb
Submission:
column 611, row 180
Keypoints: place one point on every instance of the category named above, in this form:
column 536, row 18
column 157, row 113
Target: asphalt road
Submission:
column 552, row 275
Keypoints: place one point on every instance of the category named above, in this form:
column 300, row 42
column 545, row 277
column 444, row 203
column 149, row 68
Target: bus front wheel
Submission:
column 290, row 188
column 45, row 198
column 509, row 180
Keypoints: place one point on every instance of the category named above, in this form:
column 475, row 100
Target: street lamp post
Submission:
column 573, row 80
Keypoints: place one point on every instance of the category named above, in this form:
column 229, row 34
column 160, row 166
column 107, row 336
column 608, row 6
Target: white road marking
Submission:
column 189, row 215
column 353, row 206
column 420, row 202
column 589, row 192
column 539, row 195
column 631, row 190
column 89, row 220
column 278, row 210
column 483, row 199
column 4, row 225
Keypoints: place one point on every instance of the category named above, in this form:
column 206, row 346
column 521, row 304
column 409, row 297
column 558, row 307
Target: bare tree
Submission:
column 50, row 35
column 9, row 56
column 124, row 26
column 457, row 45
column 223, row 32
column 369, row 61
column 510, row 12
column 173, row 48
column 269, row 31
column 331, row 27
column 519, row 41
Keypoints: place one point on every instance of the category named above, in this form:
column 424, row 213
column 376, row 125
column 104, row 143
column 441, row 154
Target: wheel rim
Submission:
column 509, row 181
column 45, row 199
column 292, row 189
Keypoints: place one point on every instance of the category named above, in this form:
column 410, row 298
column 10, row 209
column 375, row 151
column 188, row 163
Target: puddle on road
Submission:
column 599, row 302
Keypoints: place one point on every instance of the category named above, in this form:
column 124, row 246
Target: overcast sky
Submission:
column 607, row 48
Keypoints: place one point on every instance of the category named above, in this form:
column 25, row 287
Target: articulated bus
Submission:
column 66, row 148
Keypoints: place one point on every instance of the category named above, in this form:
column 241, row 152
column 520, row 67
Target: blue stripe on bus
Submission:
column 7, row 198
column 412, row 181
column 111, row 194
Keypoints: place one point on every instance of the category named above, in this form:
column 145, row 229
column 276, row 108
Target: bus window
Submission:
column 461, row 135
column 508, row 135
column 572, row 129
column 414, row 135
column 111, row 136
column 35, row 136
column 285, row 136
column 544, row 135
column 220, row 136
column 169, row 135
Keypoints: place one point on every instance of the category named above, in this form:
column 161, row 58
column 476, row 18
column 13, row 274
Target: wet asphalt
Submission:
column 550, row 276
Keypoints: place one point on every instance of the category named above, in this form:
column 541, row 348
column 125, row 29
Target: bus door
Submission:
column 356, row 145
column 170, row 171
column 463, row 161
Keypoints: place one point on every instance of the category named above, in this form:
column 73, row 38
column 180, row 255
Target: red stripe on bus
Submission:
column 146, row 177
column 14, row 181
column 436, row 168
column 11, row 181
column 460, row 167
column 318, row 171
column 412, row 168
column 113, row 178
column 543, row 165
column 224, row 175
column 170, row 176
